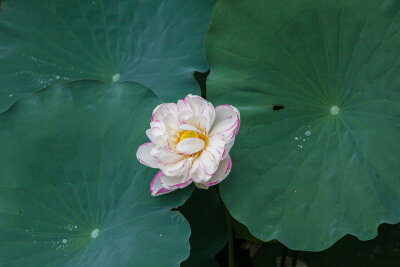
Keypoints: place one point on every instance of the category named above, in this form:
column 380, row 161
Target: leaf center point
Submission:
column 95, row 233
column 335, row 110
column 116, row 77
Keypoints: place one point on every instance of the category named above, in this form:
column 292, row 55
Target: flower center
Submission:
column 186, row 134
column 193, row 146
column 191, row 134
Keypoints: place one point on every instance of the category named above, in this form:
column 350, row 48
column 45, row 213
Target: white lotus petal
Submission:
column 166, row 155
column 151, row 136
column 157, row 123
column 190, row 146
column 196, row 111
column 156, row 188
column 173, row 182
column 228, row 147
column 216, row 145
column 207, row 163
column 180, row 168
column 227, row 122
column 188, row 127
column 223, row 171
column 145, row 157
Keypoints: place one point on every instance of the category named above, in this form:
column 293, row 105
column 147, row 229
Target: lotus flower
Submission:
column 190, row 142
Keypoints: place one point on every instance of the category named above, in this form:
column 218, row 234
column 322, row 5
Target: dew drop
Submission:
column 116, row 77
column 10, row 95
column 95, row 233
column 296, row 138
column 335, row 110
column 307, row 133
column 64, row 241
column 57, row 77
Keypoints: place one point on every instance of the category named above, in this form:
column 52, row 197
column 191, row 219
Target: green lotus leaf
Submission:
column 317, row 84
column 206, row 217
column 72, row 192
column 347, row 252
column 242, row 231
column 157, row 43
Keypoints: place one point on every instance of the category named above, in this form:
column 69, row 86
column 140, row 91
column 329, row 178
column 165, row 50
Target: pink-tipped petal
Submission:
column 145, row 157
column 197, row 112
column 228, row 147
column 227, row 122
column 188, row 127
column 163, row 110
column 151, row 136
column 223, row 171
column 174, row 182
column 176, row 169
column 156, row 188
column 171, row 162
column 166, row 155
column 161, row 113
column 207, row 163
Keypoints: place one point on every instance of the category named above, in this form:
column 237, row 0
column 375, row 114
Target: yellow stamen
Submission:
column 187, row 134
column 192, row 134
